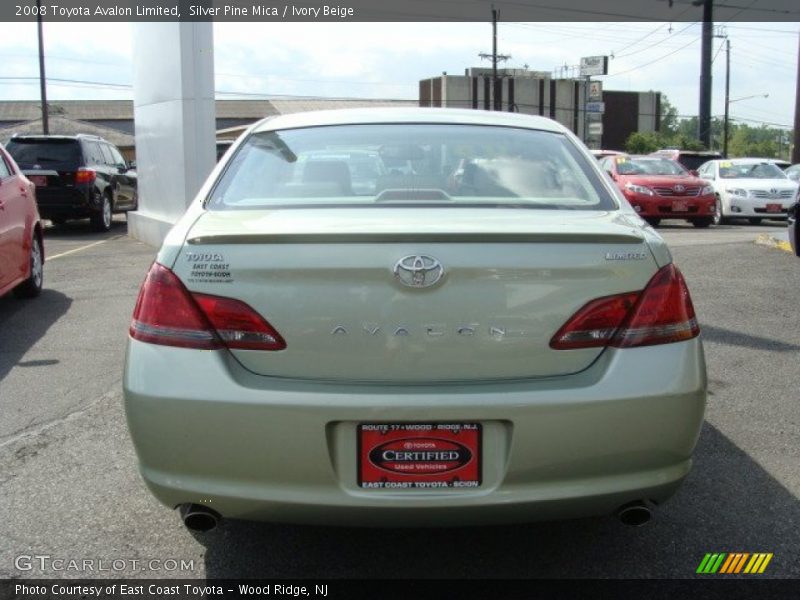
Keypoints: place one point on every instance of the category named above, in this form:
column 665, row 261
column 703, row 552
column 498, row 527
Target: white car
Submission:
column 750, row 188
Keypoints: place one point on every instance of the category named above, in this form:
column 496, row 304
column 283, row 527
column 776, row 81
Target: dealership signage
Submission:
column 594, row 65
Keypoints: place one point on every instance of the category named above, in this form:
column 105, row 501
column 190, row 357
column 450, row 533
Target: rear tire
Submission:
column 754, row 220
column 703, row 222
column 654, row 221
column 102, row 220
column 32, row 286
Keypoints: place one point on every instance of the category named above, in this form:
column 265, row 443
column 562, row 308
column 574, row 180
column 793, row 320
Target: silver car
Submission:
column 490, row 334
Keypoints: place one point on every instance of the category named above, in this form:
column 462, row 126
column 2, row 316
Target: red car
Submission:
column 659, row 188
column 21, row 243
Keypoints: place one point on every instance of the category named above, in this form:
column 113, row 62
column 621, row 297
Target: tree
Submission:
column 644, row 142
column 669, row 117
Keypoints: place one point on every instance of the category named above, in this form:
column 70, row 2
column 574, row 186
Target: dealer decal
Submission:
column 208, row 267
column 419, row 455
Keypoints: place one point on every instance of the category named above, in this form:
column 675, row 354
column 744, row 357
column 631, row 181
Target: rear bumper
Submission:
column 209, row 432
column 65, row 202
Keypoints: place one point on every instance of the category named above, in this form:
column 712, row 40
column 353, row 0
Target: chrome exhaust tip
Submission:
column 635, row 513
column 199, row 518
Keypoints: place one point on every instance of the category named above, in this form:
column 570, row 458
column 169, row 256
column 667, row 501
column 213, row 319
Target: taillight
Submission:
column 594, row 325
column 238, row 325
column 661, row 314
column 168, row 314
column 83, row 175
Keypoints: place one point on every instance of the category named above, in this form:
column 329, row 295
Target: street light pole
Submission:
column 728, row 102
column 727, row 96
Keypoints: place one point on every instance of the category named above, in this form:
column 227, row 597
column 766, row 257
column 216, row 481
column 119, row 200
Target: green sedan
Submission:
column 480, row 331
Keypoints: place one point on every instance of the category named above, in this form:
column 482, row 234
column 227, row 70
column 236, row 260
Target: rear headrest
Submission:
column 329, row 171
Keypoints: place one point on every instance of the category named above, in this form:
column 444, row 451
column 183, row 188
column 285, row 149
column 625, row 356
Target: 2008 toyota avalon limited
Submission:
column 412, row 317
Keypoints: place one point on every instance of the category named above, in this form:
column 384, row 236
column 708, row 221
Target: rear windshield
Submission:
column 649, row 166
column 45, row 154
column 750, row 171
column 694, row 161
column 410, row 163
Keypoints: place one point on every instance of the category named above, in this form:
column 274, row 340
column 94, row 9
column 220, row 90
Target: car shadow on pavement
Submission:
column 727, row 504
column 24, row 322
column 730, row 337
column 82, row 229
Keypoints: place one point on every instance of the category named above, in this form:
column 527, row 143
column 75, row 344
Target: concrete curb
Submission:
column 765, row 239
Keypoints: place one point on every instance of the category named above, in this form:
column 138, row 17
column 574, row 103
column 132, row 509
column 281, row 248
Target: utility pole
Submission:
column 704, row 121
column 796, row 149
column 496, row 97
column 727, row 96
column 495, row 58
column 42, row 80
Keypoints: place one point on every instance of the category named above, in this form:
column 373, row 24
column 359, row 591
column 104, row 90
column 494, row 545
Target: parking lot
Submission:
column 70, row 488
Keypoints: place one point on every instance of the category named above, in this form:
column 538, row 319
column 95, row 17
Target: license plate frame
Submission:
column 774, row 207
column 680, row 206
column 38, row 180
column 419, row 456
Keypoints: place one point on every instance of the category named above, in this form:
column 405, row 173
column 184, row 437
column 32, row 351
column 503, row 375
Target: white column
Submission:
column 174, row 114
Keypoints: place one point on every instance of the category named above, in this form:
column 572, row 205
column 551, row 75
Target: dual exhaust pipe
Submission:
column 635, row 513
column 197, row 517
column 202, row 518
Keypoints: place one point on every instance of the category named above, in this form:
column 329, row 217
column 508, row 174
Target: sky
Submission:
column 387, row 60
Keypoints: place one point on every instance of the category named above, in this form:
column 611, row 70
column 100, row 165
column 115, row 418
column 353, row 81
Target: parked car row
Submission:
column 76, row 177
column 57, row 178
column 670, row 184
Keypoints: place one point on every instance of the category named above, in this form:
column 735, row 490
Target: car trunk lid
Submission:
column 328, row 281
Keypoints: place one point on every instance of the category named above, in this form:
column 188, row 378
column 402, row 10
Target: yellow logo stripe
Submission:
column 765, row 563
column 755, row 563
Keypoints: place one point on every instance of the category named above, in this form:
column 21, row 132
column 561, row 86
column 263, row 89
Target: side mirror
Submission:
column 694, row 173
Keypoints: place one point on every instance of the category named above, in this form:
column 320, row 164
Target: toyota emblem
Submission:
column 679, row 188
column 418, row 271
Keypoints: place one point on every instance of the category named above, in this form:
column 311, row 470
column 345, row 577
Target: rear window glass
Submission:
column 694, row 161
column 45, row 154
column 649, row 166
column 428, row 164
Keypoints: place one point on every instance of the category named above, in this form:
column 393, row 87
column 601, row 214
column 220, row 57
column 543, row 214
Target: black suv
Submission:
column 76, row 177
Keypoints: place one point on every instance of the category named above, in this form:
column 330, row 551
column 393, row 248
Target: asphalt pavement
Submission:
column 69, row 487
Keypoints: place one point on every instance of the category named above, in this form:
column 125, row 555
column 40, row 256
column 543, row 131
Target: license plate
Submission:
column 38, row 180
column 774, row 208
column 419, row 455
column 679, row 207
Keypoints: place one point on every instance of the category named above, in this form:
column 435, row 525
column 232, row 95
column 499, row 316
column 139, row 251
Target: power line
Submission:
column 653, row 61
column 655, row 44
